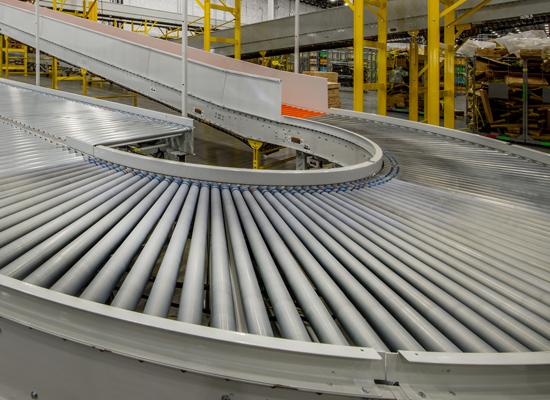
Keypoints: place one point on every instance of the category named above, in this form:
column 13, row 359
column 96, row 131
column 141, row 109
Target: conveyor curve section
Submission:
column 335, row 264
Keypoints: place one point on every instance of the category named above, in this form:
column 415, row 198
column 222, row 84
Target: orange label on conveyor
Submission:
column 298, row 112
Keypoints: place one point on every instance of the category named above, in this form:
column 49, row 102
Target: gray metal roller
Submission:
column 317, row 314
column 160, row 298
column 330, row 254
column 126, row 216
column 257, row 320
column 191, row 300
column 133, row 286
column 223, row 310
column 101, row 287
column 289, row 320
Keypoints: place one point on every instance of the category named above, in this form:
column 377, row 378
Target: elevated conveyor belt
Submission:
column 427, row 280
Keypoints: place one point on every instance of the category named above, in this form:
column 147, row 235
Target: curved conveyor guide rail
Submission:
column 417, row 258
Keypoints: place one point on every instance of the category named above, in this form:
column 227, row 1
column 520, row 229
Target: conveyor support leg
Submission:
column 255, row 144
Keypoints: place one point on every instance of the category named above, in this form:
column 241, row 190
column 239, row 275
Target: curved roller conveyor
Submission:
column 417, row 268
column 441, row 251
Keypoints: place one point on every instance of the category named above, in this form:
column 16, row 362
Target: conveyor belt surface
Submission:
column 96, row 125
column 415, row 259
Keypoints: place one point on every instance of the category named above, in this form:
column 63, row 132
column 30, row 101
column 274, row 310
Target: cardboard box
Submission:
column 331, row 76
column 530, row 53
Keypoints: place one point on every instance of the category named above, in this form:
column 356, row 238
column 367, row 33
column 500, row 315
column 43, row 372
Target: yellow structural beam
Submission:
column 223, row 40
column 358, row 44
column 90, row 10
column 351, row 5
column 235, row 11
column 382, row 56
column 370, row 43
column 452, row 30
column 449, row 39
column 221, row 8
column 15, row 68
column 451, row 7
column 373, row 86
column 207, row 25
column 237, row 16
column 469, row 12
column 375, row 3
column 62, row 5
column 413, row 77
column 358, row 38
column 255, row 144
column 1, row 56
column 431, row 105
column 54, row 73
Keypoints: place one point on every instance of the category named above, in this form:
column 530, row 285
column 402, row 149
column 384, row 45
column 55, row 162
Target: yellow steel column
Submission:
column 237, row 16
column 431, row 103
column 413, row 78
column 84, row 82
column 54, row 73
column 207, row 25
column 382, row 56
column 1, row 56
column 25, row 60
column 7, row 55
column 449, row 69
column 55, row 5
column 92, row 11
column 358, row 37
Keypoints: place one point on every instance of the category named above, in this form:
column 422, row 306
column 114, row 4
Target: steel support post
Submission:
column 7, row 55
column 382, row 45
column 235, row 11
column 84, row 82
column 413, row 78
column 54, row 73
column 183, row 59
column 206, row 25
column 431, row 103
column 91, row 13
column 1, row 56
column 237, row 15
column 37, row 46
column 449, row 68
column 382, row 55
column 358, row 37
column 255, row 144
column 433, row 94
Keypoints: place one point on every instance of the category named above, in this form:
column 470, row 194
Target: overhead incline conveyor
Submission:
column 424, row 277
